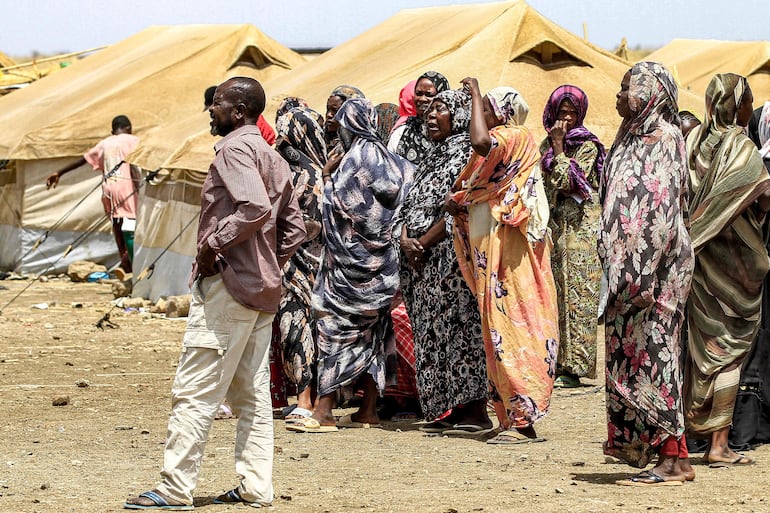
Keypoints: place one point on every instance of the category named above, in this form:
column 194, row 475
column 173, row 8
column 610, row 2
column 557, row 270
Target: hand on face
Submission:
column 559, row 130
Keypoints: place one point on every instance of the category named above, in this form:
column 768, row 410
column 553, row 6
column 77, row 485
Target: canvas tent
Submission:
column 17, row 75
column 506, row 43
column 696, row 61
column 155, row 77
column 5, row 60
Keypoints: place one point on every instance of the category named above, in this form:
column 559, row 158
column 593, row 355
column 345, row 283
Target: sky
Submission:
column 57, row 26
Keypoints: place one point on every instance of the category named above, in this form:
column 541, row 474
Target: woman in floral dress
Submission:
column 646, row 253
column 503, row 246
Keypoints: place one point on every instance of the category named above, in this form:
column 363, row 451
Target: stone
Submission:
column 62, row 400
column 178, row 306
column 79, row 270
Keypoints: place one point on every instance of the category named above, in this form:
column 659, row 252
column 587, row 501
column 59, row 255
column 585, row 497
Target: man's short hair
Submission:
column 120, row 122
column 250, row 93
column 208, row 97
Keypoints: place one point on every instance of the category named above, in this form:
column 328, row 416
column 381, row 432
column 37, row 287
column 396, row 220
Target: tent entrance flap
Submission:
column 254, row 57
column 549, row 55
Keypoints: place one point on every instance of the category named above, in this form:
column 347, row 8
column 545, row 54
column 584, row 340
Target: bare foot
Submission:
column 528, row 431
column 359, row 416
column 686, row 468
column 669, row 469
column 726, row 455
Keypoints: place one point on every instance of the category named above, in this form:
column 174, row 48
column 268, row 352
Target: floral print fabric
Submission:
column 509, row 275
column 646, row 253
column 575, row 264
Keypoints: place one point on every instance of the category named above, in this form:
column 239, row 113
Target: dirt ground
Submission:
column 106, row 444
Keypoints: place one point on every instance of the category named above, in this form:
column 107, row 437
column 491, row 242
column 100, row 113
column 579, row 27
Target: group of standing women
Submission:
column 449, row 215
column 448, row 205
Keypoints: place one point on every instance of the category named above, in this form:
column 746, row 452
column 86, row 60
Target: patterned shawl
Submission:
column 726, row 173
column 763, row 131
column 573, row 139
column 360, row 268
column 424, row 205
column 288, row 103
column 725, row 304
column 415, row 143
column 508, row 105
column 300, row 142
column 406, row 106
column 645, row 252
column 387, row 114
column 359, row 273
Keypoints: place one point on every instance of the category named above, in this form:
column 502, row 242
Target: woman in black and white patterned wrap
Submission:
column 358, row 276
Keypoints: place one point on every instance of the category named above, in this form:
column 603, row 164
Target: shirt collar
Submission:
column 245, row 129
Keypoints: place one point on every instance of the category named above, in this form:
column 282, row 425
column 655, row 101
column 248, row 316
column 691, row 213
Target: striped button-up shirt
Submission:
column 250, row 217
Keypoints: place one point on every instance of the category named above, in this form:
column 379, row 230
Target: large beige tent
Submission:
column 696, row 61
column 155, row 77
column 506, row 43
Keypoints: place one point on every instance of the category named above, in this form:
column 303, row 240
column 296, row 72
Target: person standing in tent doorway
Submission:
column 250, row 226
column 119, row 184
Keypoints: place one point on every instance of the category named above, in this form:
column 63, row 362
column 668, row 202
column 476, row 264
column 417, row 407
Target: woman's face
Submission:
column 424, row 91
column 333, row 104
column 746, row 108
column 621, row 105
column 568, row 113
column 439, row 121
column 490, row 118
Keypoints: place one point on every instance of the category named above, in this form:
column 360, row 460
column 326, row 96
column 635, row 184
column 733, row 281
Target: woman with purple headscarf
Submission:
column 572, row 161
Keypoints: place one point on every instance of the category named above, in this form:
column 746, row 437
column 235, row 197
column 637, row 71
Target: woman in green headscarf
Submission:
column 729, row 199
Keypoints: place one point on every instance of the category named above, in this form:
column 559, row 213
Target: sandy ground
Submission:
column 89, row 455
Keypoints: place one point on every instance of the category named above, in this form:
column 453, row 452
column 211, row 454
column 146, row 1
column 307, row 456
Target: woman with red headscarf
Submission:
column 572, row 161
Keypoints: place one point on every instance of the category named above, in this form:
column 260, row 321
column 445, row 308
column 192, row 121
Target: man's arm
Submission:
column 290, row 229
column 247, row 192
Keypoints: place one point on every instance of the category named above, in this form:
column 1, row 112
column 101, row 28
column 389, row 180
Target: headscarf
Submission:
column 347, row 92
column 300, row 142
column 573, row 139
column 438, row 80
column 414, row 143
column 439, row 169
column 458, row 103
column 360, row 119
column 508, row 105
column 406, row 106
column 299, row 128
column 288, row 103
column 387, row 114
column 726, row 173
column 723, row 97
column 652, row 99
